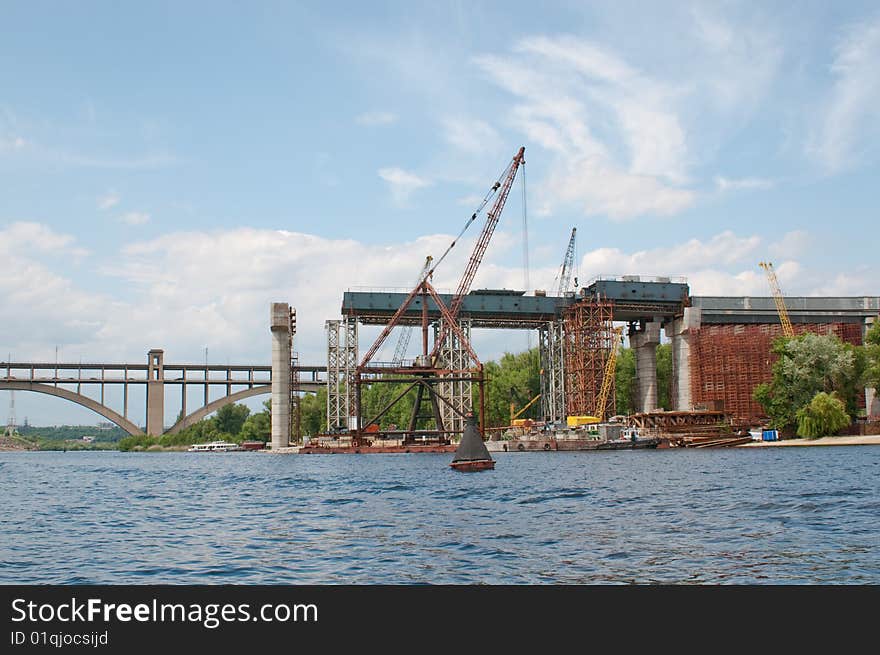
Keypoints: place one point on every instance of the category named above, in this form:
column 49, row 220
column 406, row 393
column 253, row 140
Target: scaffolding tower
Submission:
column 551, row 348
column 457, row 390
column 295, row 399
column 342, row 354
column 589, row 338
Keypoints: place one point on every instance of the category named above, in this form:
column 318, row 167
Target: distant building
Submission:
column 87, row 439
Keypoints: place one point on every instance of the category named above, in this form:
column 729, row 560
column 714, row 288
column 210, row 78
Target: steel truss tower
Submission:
column 453, row 355
column 551, row 346
column 342, row 354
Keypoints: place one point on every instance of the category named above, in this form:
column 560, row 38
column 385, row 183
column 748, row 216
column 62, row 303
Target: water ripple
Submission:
column 740, row 516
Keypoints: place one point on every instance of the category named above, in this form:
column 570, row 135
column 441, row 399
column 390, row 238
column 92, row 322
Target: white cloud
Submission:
column 472, row 200
column 375, row 118
column 108, row 200
column 27, row 237
column 471, row 135
column 735, row 184
column 619, row 146
column 135, row 218
column 793, row 244
column 402, row 183
column 851, row 113
column 12, row 143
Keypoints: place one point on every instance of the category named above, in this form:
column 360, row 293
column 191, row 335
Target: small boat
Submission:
column 214, row 447
column 472, row 454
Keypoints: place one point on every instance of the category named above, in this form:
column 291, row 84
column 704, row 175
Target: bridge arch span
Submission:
column 213, row 406
column 77, row 398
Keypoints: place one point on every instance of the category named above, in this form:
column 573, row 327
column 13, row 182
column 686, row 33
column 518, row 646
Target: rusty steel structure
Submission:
column 442, row 376
column 423, row 378
column 729, row 361
column 589, row 339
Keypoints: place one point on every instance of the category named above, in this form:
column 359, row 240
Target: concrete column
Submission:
column 155, row 393
column 645, row 344
column 280, row 327
column 679, row 333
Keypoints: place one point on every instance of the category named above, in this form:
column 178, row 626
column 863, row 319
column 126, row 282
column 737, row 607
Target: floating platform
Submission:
column 551, row 445
column 364, row 450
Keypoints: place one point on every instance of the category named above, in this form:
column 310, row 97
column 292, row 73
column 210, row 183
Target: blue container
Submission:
column 770, row 435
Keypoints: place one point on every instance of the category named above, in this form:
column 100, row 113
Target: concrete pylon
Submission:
column 644, row 344
column 280, row 327
column 679, row 333
column 155, row 392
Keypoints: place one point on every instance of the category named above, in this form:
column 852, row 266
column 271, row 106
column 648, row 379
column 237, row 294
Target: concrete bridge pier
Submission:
column 679, row 334
column 155, row 392
column 280, row 327
column 644, row 344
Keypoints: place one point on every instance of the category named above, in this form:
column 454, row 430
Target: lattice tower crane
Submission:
column 567, row 264
column 608, row 378
column 787, row 328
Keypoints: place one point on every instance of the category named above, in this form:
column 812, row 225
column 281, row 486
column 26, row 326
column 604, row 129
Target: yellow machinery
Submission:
column 787, row 328
column 578, row 421
column 608, row 379
column 514, row 420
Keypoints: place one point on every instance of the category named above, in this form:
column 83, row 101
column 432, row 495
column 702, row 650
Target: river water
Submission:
column 768, row 515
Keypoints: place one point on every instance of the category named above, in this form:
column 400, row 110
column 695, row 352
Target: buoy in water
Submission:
column 472, row 454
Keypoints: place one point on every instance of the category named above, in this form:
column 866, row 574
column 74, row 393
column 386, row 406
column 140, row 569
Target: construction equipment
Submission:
column 406, row 331
column 428, row 372
column 464, row 285
column 787, row 328
column 565, row 270
column 514, row 415
column 608, row 379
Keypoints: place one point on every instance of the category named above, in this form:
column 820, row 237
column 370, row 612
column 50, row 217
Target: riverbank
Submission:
column 821, row 441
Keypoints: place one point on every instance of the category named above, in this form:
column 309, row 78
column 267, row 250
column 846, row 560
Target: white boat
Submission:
column 214, row 447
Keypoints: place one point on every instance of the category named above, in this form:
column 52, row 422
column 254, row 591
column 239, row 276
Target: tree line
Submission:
column 816, row 384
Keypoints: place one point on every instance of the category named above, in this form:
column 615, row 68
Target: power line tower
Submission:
column 11, row 430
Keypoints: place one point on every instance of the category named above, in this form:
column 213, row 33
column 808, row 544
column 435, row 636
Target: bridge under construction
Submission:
column 720, row 345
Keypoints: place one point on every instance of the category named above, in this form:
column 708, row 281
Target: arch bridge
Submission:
column 66, row 380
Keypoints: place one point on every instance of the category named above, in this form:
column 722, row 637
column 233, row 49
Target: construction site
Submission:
column 721, row 350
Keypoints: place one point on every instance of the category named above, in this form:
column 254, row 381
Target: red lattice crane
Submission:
column 470, row 272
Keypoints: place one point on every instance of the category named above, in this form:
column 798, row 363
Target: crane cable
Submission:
column 482, row 205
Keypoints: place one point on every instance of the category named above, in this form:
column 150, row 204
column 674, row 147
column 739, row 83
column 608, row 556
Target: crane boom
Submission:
column 608, row 378
column 406, row 333
column 787, row 328
column 464, row 285
column 567, row 264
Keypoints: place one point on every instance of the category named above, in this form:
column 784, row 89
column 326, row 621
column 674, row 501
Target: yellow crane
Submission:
column 608, row 379
column 787, row 328
column 514, row 414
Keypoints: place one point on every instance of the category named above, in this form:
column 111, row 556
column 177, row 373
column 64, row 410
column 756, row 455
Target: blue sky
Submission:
column 169, row 169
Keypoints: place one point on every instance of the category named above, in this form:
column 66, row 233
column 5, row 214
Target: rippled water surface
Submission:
column 770, row 515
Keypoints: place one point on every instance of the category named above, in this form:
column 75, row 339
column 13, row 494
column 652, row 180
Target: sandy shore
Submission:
column 822, row 441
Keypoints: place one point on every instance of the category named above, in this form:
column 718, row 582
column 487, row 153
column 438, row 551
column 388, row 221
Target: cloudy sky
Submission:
column 169, row 169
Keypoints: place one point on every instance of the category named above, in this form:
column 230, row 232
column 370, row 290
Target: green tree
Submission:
column 806, row 365
column 872, row 352
column 825, row 415
column 231, row 418
column 625, row 381
column 664, row 375
column 313, row 409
